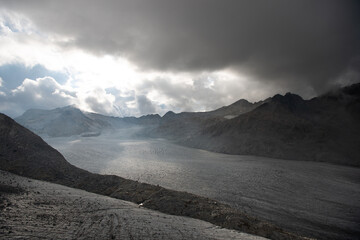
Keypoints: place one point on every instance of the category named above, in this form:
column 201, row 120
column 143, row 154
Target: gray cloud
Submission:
column 144, row 105
column 205, row 92
column 99, row 101
column 295, row 45
column 47, row 93
column 43, row 93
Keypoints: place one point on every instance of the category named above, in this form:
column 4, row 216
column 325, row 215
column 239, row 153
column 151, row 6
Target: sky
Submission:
column 139, row 57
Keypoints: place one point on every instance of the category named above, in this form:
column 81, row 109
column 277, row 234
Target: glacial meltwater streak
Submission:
column 309, row 198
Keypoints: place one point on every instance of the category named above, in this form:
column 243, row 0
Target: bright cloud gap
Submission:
column 114, row 84
column 104, row 84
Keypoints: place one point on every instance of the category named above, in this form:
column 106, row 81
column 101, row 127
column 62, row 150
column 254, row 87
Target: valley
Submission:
column 308, row 198
column 284, row 160
column 180, row 120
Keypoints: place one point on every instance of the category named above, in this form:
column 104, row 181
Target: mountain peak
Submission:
column 289, row 102
column 169, row 114
column 289, row 99
column 352, row 89
column 241, row 103
column 344, row 94
column 72, row 106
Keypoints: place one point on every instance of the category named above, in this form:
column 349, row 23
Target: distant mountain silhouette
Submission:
column 326, row 128
column 184, row 125
column 60, row 122
column 68, row 121
column 24, row 153
column 239, row 107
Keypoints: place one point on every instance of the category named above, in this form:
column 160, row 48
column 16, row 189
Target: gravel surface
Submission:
column 32, row 209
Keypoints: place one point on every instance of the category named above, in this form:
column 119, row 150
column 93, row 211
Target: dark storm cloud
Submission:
column 289, row 43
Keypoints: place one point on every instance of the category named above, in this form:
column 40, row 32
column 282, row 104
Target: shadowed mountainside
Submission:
column 184, row 125
column 24, row 153
column 326, row 128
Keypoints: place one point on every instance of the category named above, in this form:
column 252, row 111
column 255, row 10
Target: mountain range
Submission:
column 24, row 153
column 69, row 120
column 325, row 128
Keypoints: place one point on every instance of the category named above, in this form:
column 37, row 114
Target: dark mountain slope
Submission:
column 233, row 110
column 326, row 128
column 24, row 153
column 186, row 124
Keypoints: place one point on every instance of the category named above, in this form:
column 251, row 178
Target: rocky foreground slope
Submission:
column 24, row 153
column 35, row 209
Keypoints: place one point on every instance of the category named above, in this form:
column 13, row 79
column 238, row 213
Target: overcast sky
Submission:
column 136, row 57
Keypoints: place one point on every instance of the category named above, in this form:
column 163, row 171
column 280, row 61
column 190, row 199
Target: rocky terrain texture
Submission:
column 24, row 153
column 32, row 209
column 325, row 128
